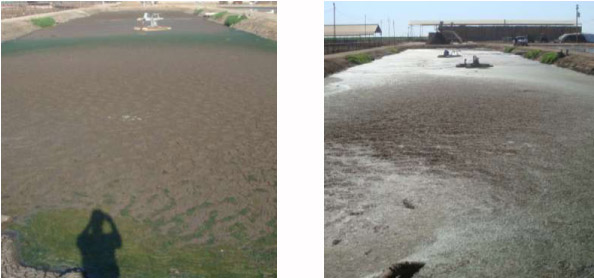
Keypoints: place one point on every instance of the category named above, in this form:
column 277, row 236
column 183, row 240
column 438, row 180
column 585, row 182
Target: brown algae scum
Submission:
column 171, row 136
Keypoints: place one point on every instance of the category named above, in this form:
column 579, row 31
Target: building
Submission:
column 352, row 30
column 495, row 30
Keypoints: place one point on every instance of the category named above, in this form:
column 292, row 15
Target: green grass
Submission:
column 532, row 54
column 359, row 59
column 549, row 57
column 43, row 21
column 234, row 19
column 219, row 15
column 198, row 11
column 395, row 50
column 48, row 240
column 509, row 49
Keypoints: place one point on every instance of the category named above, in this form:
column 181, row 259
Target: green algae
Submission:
column 48, row 240
column 230, row 38
column 44, row 22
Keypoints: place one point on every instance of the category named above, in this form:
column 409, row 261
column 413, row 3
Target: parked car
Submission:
column 574, row 37
column 521, row 40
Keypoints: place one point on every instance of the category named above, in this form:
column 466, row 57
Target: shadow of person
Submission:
column 98, row 248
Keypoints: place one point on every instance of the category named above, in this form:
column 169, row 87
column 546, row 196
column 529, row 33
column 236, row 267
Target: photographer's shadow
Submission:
column 97, row 248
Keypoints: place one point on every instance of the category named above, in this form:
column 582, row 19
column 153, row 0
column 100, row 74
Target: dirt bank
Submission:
column 258, row 23
column 13, row 28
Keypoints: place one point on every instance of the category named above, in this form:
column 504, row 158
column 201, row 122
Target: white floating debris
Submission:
column 128, row 118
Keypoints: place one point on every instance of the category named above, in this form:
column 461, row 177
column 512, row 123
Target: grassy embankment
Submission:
column 544, row 57
column 532, row 54
column 43, row 22
column 550, row 57
column 234, row 19
column 363, row 58
column 230, row 20
column 219, row 15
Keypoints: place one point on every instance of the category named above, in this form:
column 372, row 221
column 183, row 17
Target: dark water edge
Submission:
column 231, row 38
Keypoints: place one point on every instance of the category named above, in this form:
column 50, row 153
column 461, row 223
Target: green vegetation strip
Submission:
column 219, row 15
column 234, row 19
column 550, row 57
column 43, row 21
column 359, row 59
column 198, row 11
column 532, row 54
column 395, row 50
column 508, row 49
column 49, row 240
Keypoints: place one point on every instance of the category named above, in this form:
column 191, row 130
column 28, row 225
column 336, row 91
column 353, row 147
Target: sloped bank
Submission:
column 260, row 24
column 13, row 28
column 576, row 61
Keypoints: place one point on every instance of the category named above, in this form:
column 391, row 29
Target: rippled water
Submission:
column 171, row 133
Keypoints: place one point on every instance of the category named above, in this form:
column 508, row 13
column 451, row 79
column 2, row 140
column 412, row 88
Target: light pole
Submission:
column 577, row 16
column 334, row 6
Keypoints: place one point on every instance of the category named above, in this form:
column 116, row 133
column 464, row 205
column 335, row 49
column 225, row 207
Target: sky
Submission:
column 401, row 12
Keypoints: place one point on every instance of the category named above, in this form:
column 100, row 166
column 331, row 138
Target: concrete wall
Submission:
column 497, row 33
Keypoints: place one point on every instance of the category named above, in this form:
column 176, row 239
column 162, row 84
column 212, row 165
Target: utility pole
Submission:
column 388, row 30
column 334, row 6
column 394, row 30
column 365, row 24
column 577, row 16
